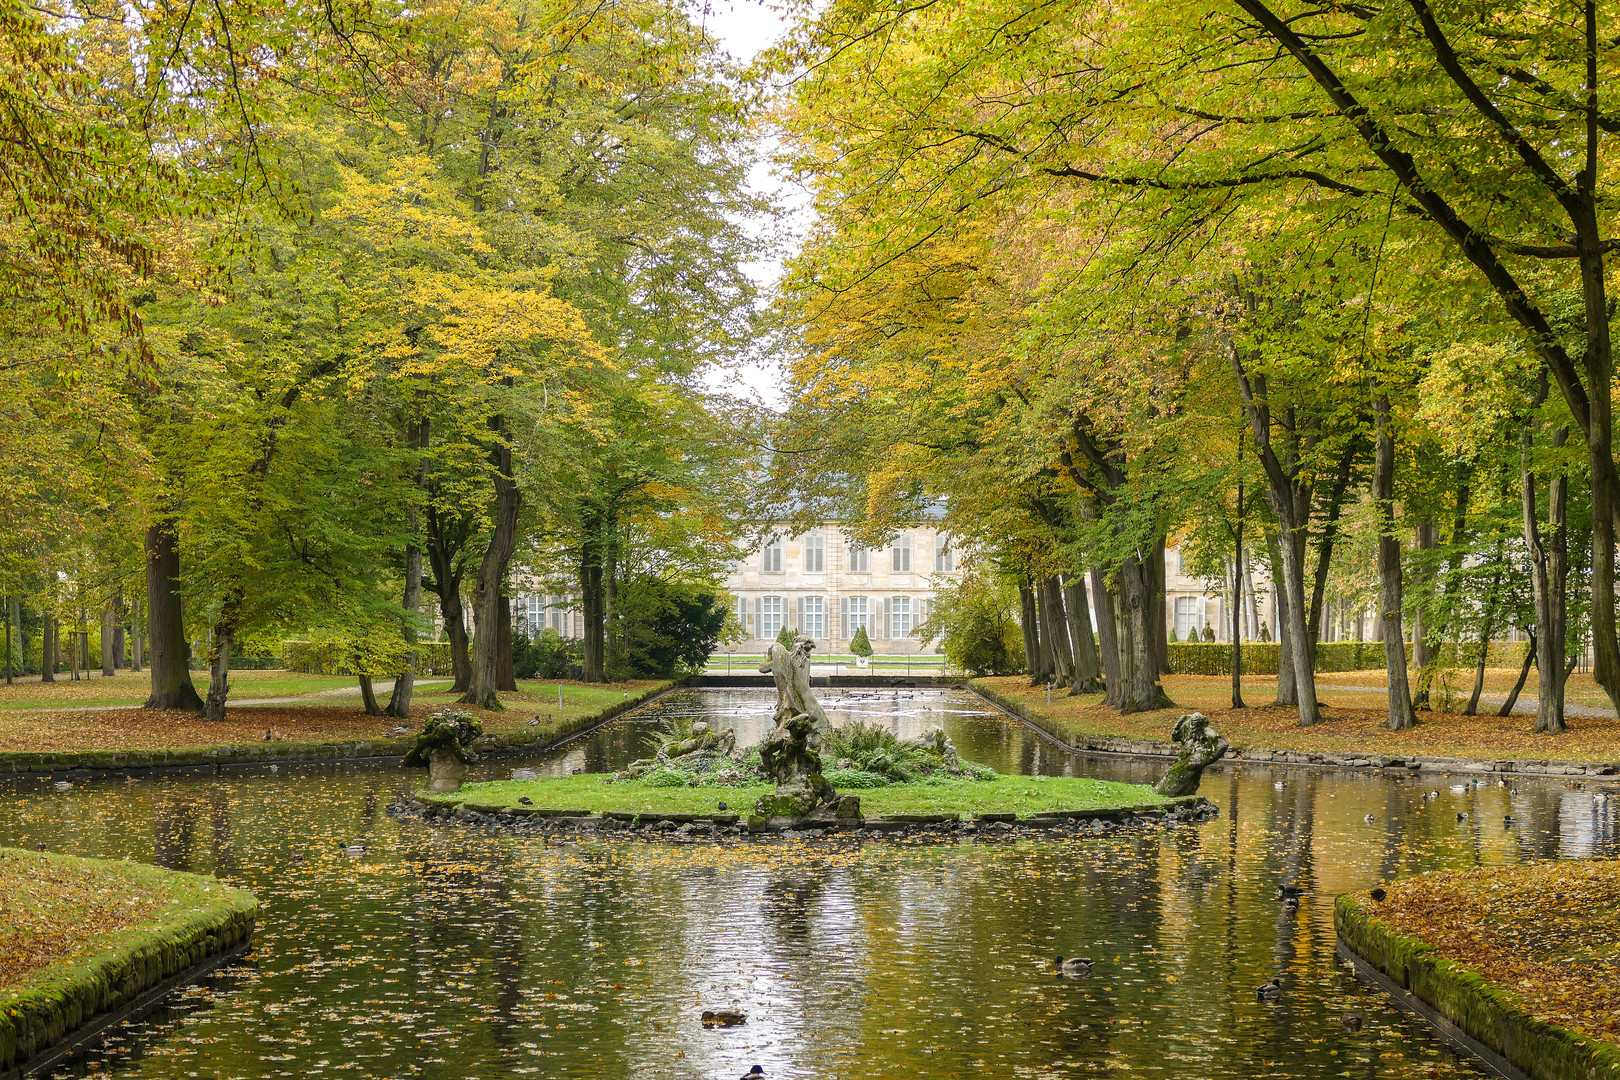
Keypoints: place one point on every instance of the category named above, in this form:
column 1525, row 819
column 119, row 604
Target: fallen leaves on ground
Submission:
column 65, row 731
column 1548, row 932
column 1353, row 724
column 53, row 911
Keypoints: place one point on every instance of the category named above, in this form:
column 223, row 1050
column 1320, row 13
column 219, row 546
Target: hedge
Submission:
column 432, row 658
column 239, row 663
column 1260, row 657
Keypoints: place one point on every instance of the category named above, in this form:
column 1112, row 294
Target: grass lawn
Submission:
column 132, row 688
column 1023, row 795
column 1354, row 721
column 58, row 910
column 1547, row 934
column 319, row 720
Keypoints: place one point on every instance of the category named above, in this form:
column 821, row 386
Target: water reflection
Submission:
column 445, row 953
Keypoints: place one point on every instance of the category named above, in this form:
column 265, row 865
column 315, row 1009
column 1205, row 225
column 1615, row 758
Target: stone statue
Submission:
column 1209, row 632
column 1265, row 631
column 791, row 670
column 1201, row 745
column 787, row 757
column 936, row 739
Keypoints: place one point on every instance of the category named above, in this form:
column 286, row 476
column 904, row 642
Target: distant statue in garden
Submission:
column 1265, row 631
column 1209, row 632
column 790, row 667
column 1201, row 746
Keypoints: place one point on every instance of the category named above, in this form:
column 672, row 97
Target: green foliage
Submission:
column 665, row 628
column 860, row 644
column 333, row 657
column 668, row 778
column 975, row 621
column 549, row 656
column 856, row 778
column 447, row 729
column 787, row 637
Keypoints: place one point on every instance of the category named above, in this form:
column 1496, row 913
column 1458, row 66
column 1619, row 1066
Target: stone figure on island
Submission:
column 791, row 753
column 1201, row 745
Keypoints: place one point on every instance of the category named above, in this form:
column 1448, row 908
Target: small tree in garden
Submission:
column 860, row 644
column 786, row 637
column 444, row 746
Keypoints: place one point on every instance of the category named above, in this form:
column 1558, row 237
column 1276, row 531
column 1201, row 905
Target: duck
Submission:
column 1269, row 991
column 1431, row 795
column 1074, row 965
column 1378, row 894
column 723, row 806
column 754, row 1073
column 524, row 800
column 724, row 1018
column 396, row 731
column 353, row 850
column 1289, row 892
column 1369, row 819
column 63, row 785
column 1462, row 817
column 1351, row 1021
column 1278, row 785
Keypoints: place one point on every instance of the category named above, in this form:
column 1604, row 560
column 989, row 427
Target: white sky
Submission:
column 745, row 27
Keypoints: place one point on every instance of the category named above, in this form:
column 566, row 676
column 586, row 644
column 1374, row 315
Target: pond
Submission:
column 447, row 953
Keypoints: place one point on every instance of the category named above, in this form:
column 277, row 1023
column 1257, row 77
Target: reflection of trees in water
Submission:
column 174, row 829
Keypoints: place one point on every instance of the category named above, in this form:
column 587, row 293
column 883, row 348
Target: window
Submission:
column 1188, row 616
column 815, row 553
column 900, row 616
column 854, row 615
column 901, row 554
column 532, row 614
column 813, row 617
column 770, row 557
column 944, row 557
column 860, row 559
column 561, row 617
column 770, row 616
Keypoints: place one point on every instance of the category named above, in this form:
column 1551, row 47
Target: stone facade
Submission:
column 823, row 584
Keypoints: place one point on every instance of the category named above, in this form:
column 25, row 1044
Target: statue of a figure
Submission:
column 936, row 739
column 788, row 757
column 1201, row 745
column 1265, row 630
column 1209, row 632
column 791, row 670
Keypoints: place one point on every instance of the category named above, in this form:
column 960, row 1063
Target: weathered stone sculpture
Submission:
column 444, row 745
column 935, row 739
column 1201, row 745
column 790, row 668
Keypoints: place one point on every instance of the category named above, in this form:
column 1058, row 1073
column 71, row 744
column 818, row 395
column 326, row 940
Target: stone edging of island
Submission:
column 18, row 763
column 1465, row 1008
column 70, row 1006
column 1317, row 759
column 693, row 828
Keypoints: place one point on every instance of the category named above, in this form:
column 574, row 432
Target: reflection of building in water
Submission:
column 1585, row 825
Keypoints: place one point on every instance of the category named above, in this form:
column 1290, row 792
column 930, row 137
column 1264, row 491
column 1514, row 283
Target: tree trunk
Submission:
column 47, row 649
column 171, row 679
column 1237, row 612
column 1143, row 601
column 107, row 664
column 1086, row 667
column 219, row 664
column 612, row 643
column 1161, row 629
column 1401, row 713
column 8, row 640
column 1107, row 637
column 590, row 603
column 1026, row 623
column 1287, row 687
column 1057, row 623
column 1423, row 540
column 1549, row 578
column 492, row 575
column 135, row 635
column 1486, row 626
column 368, row 695
column 505, row 674
column 1299, row 643
column 399, row 702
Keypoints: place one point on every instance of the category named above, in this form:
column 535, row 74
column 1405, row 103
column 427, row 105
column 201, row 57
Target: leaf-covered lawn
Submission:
column 54, row 909
column 132, row 688
column 1548, row 932
column 340, row 720
column 1354, row 721
column 1023, row 795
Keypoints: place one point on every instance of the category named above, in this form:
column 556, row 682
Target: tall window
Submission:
column 1188, row 619
column 944, row 557
column 770, row 616
column 534, row 615
column 815, row 553
column 900, row 616
column 561, row 618
column 860, row 559
column 854, row 615
column 813, row 616
column 770, row 557
column 901, row 554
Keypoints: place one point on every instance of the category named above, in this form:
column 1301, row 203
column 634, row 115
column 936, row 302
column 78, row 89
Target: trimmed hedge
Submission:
column 432, row 658
column 240, row 663
column 1490, row 1013
column 1260, row 657
column 208, row 918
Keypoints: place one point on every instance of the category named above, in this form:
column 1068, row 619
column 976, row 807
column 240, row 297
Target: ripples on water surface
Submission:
column 448, row 953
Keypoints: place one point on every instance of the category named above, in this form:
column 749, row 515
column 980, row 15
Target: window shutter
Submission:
column 843, row 615
column 886, row 623
column 758, row 617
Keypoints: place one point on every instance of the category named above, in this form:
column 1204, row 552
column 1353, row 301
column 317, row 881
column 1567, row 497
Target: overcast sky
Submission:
column 745, row 27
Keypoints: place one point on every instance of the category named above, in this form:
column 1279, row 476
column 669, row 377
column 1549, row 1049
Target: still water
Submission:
column 445, row 953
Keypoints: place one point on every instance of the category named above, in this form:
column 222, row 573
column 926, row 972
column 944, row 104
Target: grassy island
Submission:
column 80, row 937
column 1525, row 959
column 1023, row 796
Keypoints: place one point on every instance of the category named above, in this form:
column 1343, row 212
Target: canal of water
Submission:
column 448, row 953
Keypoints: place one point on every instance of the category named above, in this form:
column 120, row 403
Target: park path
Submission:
column 339, row 692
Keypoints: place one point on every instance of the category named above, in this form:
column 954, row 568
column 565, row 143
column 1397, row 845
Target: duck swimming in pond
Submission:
column 723, row 1018
column 1269, row 992
column 1074, row 965
column 754, row 1073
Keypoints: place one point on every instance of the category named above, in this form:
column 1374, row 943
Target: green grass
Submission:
column 131, row 688
column 1021, row 795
